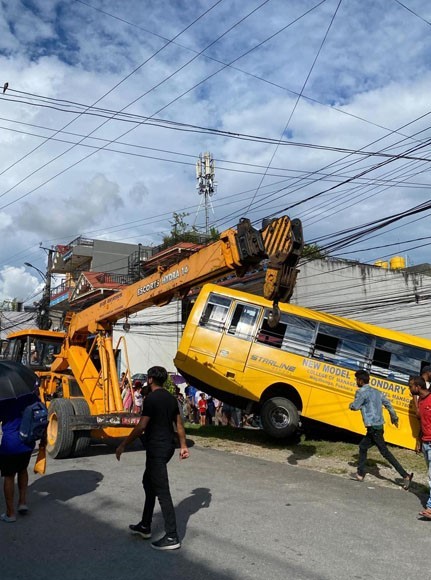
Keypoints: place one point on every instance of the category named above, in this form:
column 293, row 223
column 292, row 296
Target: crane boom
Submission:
column 237, row 251
column 81, row 384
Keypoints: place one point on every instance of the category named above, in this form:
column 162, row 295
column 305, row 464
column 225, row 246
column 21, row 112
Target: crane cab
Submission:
column 34, row 348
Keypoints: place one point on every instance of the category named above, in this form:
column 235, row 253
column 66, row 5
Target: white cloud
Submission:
column 51, row 217
column 16, row 283
column 138, row 192
column 374, row 64
column 5, row 222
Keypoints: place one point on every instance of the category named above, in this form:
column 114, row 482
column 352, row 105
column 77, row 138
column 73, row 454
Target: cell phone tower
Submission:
column 206, row 184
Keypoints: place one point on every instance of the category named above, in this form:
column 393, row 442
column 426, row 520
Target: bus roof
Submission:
column 325, row 317
column 37, row 333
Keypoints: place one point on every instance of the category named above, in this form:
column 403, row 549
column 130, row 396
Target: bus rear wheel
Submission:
column 280, row 417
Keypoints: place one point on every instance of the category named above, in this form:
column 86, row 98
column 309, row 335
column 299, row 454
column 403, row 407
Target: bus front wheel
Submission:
column 280, row 417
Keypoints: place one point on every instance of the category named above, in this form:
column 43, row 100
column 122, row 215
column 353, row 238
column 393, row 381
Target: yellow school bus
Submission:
column 304, row 366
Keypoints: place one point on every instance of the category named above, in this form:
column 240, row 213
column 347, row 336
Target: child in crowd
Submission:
column 137, row 397
column 202, row 406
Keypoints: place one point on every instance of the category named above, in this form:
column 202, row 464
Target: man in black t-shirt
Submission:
column 159, row 414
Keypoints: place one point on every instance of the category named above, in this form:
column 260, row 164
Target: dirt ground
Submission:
column 380, row 474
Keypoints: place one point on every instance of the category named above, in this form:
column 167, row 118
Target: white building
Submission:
column 396, row 299
column 153, row 338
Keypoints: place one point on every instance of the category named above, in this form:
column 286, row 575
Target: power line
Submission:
column 135, row 100
column 97, row 101
column 297, row 99
column 413, row 12
column 247, row 73
column 217, row 132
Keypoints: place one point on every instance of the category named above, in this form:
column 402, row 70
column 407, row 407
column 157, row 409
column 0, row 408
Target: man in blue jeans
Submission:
column 159, row 414
column 370, row 402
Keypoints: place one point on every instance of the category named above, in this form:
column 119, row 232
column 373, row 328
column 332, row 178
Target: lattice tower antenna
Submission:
column 206, row 184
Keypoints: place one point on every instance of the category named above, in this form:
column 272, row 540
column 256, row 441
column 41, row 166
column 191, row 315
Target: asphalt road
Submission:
column 239, row 518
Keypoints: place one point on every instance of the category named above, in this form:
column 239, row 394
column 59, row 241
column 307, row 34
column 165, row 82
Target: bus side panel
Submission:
column 334, row 389
column 233, row 353
column 196, row 366
column 203, row 341
column 326, row 391
column 269, row 366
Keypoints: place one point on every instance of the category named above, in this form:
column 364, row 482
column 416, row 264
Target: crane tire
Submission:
column 59, row 434
column 82, row 438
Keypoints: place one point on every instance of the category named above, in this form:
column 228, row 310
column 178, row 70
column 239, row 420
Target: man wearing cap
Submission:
column 426, row 375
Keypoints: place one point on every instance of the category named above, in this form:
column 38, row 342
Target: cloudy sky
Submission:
column 315, row 108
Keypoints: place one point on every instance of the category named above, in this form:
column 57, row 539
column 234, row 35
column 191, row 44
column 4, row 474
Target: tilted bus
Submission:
column 304, row 366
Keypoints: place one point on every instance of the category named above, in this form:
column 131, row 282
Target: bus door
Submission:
column 236, row 341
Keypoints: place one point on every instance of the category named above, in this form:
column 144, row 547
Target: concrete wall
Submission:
column 111, row 256
column 391, row 298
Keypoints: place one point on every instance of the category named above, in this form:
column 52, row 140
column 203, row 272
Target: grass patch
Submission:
column 250, row 436
column 315, row 440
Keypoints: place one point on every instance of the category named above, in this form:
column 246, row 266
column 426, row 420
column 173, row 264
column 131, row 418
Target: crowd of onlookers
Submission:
column 196, row 406
column 132, row 394
column 203, row 409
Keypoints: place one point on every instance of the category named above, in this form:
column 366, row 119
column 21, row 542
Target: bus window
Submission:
column 243, row 321
column 299, row 334
column 397, row 361
column 326, row 346
column 292, row 334
column 342, row 346
column 3, row 348
column 271, row 336
column 215, row 313
column 354, row 349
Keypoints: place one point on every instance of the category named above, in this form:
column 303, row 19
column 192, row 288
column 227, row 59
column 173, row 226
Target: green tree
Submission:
column 170, row 386
column 182, row 232
column 214, row 234
column 312, row 252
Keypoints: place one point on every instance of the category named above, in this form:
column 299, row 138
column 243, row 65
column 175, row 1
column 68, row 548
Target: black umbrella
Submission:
column 16, row 380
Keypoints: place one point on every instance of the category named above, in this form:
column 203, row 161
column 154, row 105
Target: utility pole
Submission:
column 43, row 320
column 205, row 174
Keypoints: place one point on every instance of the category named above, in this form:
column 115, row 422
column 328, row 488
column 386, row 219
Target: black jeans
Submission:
column 374, row 436
column 156, row 484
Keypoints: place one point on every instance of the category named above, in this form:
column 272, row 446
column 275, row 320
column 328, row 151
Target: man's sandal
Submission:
column 407, row 482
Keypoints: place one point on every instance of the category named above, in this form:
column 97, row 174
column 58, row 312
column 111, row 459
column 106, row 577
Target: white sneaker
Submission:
column 7, row 519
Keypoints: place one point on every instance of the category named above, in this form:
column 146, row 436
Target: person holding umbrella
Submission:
column 18, row 389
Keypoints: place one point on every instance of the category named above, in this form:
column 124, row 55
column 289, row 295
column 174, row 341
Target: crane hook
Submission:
column 274, row 315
